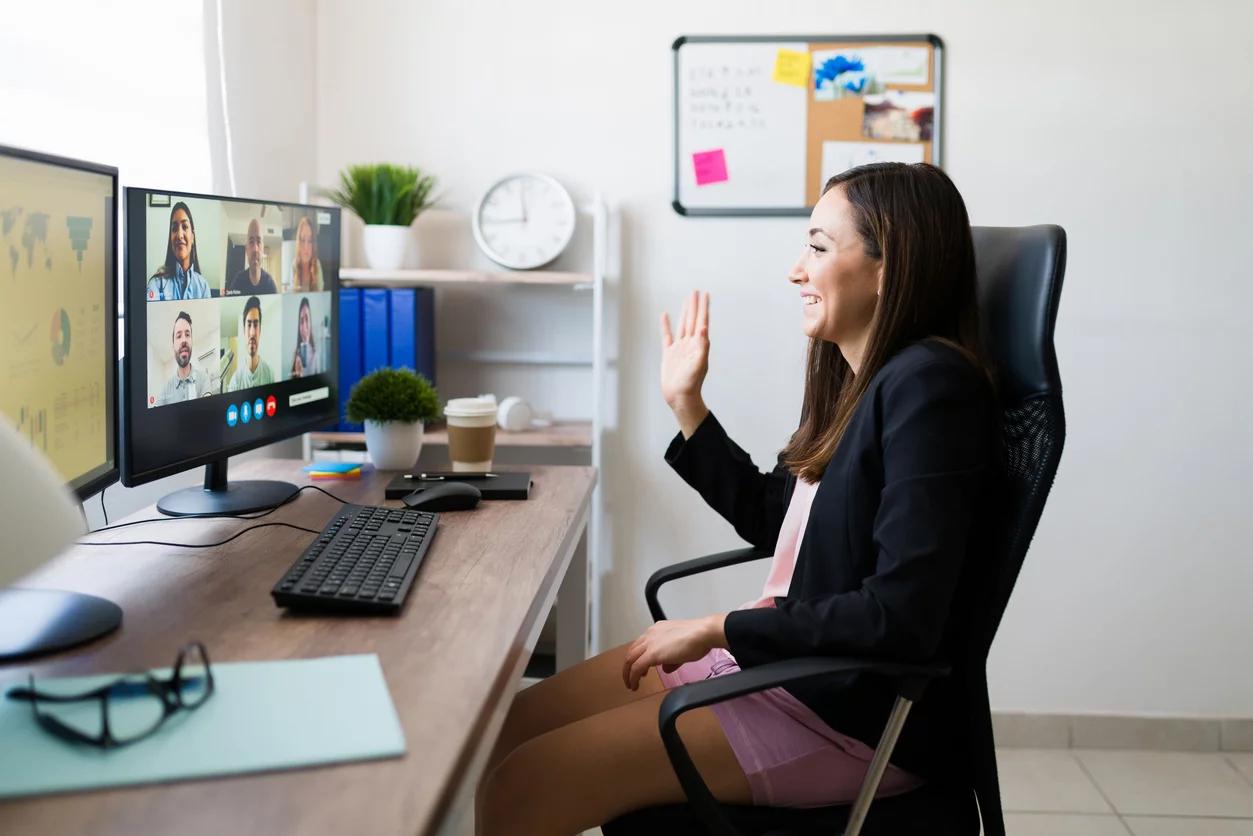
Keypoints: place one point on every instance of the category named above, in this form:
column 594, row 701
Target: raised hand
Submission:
column 685, row 361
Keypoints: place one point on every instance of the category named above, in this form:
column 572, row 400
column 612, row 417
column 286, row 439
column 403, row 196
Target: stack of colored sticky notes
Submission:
column 334, row 470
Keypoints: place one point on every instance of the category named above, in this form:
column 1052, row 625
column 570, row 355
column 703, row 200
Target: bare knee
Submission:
column 524, row 721
column 511, row 800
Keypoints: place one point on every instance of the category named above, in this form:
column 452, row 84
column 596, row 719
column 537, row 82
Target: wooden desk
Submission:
column 453, row 658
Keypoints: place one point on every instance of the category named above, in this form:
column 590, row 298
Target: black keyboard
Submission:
column 364, row 561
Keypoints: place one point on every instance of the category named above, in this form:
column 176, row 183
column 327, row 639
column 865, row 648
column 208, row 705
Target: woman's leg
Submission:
column 587, row 688
column 589, row 771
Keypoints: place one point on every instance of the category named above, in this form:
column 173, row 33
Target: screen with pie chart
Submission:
column 58, row 294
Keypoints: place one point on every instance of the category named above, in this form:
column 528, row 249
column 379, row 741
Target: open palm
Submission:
column 685, row 359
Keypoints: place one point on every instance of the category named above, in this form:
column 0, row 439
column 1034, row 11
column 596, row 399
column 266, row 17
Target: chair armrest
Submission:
column 694, row 567
column 913, row 680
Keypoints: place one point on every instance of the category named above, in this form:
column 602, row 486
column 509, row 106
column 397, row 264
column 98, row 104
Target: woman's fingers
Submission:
column 702, row 316
column 691, row 309
column 666, row 339
column 639, row 669
column 629, row 659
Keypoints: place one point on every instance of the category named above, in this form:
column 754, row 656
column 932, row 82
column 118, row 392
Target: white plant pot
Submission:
column 386, row 246
column 393, row 445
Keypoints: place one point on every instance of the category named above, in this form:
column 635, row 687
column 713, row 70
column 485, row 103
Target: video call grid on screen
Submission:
column 231, row 327
column 237, row 296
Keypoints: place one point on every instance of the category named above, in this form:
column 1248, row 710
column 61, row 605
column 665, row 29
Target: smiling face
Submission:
column 838, row 282
column 306, row 324
column 182, row 342
column 182, row 237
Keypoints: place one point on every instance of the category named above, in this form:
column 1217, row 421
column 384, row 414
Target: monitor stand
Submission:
column 218, row 496
column 36, row 622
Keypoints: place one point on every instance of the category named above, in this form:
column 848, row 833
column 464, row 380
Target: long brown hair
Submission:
column 912, row 218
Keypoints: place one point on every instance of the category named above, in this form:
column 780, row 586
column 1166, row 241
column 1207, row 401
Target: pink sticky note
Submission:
column 711, row 167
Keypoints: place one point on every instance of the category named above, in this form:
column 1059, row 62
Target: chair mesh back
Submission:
column 1020, row 278
column 1032, row 436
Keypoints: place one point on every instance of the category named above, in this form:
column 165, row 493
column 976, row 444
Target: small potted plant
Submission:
column 388, row 198
column 393, row 404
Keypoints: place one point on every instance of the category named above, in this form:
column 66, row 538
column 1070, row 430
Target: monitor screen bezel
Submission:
column 135, row 248
column 85, row 489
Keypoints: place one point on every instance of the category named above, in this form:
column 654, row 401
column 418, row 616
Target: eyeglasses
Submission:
column 131, row 708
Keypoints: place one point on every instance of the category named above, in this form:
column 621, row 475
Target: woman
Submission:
column 878, row 502
column 306, row 272
column 179, row 277
column 305, row 360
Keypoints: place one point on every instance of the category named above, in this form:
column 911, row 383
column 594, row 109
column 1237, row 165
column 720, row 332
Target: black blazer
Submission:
column 902, row 509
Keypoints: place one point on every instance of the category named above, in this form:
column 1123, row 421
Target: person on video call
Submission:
column 252, row 279
column 305, row 360
column 252, row 370
column 179, row 277
column 305, row 273
column 188, row 382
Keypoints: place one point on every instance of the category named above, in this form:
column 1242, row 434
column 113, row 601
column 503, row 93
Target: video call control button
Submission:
column 271, row 406
column 258, row 407
column 245, row 412
column 232, row 415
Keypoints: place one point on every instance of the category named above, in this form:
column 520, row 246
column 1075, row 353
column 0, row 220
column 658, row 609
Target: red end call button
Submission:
column 271, row 406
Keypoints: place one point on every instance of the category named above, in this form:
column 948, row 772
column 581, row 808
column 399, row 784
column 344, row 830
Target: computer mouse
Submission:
column 446, row 496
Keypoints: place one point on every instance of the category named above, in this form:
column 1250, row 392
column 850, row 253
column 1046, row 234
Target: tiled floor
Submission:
column 1088, row 792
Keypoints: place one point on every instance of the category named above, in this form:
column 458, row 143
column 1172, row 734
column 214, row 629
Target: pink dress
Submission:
column 791, row 757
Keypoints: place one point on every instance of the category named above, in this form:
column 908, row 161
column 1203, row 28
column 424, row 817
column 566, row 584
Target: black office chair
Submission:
column 1020, row 283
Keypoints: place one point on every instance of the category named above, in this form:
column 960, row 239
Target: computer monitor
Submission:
column 232, row 317
column 58, row 292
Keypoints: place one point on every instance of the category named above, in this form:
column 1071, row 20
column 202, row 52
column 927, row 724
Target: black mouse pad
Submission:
column 503, row 485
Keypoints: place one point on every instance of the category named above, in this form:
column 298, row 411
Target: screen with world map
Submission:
column 58, row 296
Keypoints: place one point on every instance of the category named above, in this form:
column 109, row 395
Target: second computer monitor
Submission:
column 231, row 326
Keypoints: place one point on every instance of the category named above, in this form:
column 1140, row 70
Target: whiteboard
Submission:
column 757, row 118
column 727, row 101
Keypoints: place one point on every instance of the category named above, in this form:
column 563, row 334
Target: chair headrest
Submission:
column 1020, row 283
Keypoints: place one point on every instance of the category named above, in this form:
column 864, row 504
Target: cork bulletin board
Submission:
column 761, row 123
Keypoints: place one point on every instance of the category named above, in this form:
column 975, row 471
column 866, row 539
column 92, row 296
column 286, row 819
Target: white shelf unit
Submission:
column 565, row 434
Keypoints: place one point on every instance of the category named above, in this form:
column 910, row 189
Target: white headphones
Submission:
column 515, row 414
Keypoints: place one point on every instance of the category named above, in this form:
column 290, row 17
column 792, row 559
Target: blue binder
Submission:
column 350, row 357
column 413, row 330
column 375, row 331
column 404, row 308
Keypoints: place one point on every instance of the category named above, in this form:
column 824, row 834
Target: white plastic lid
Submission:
column 470, row 408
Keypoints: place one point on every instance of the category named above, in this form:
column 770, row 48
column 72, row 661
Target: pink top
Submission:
column 791, row 534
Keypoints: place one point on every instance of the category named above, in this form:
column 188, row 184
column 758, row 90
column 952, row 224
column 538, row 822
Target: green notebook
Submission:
column 261, row 717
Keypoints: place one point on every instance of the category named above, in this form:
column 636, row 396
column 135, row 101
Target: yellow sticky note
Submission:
column 791, row 68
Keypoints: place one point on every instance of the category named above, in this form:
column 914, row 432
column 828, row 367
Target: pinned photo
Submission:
column 838, row 157
column 895, row 114
column 840, row 73
column 863, row 71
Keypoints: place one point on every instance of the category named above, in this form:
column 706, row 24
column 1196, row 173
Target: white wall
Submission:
column 1122, row 121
